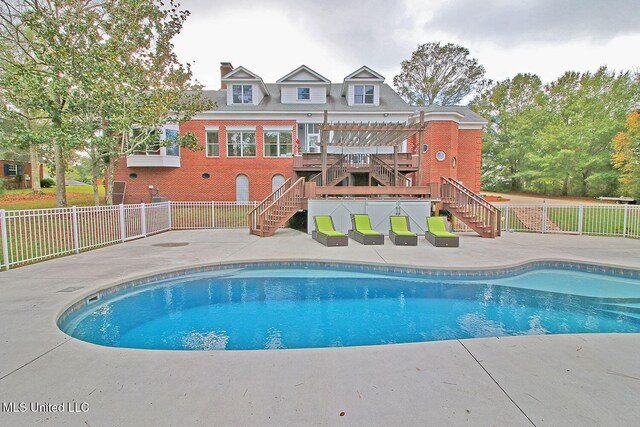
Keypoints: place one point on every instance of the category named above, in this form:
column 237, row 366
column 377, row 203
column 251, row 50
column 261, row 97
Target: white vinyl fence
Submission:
column 597, row 220
column 32, row 235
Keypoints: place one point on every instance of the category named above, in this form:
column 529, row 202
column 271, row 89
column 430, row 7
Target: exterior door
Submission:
column 242, row 188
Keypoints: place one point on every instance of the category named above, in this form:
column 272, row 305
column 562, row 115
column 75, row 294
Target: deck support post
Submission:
column 395, row 165
column 323, row 149
column 420, row 145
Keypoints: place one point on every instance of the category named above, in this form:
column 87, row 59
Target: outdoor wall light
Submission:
column 386, row 114
column 308, row 114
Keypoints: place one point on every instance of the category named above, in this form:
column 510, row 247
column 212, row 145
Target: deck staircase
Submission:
column 277, row 208
column 478, row 214
column 350, row 163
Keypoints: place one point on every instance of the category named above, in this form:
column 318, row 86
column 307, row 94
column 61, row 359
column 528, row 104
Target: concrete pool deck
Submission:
column 589, row 379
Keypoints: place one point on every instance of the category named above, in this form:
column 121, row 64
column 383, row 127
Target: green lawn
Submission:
column 25, row 199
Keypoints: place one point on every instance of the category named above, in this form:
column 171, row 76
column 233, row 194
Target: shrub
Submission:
column 1, row 186
column 47, row 183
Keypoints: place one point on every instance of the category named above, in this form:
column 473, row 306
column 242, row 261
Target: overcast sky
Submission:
column 336, row 37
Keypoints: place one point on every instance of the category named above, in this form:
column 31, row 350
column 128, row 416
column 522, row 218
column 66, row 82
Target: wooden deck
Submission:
column 427, row 191
column 312, row 162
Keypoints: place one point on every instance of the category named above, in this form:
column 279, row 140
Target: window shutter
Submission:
column 6, row 169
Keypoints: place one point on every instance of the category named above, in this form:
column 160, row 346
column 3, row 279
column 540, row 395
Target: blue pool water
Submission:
column 296, row 307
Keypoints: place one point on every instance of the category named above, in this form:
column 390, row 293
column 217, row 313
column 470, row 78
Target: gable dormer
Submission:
column 304, row 86
column 244, row 87
column 362, row 87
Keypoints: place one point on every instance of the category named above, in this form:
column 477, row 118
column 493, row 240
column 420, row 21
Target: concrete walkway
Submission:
column 534, row 380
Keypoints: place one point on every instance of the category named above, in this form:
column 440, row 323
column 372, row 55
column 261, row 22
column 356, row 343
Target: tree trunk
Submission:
column 111, row 171
column 565, row 186
column 61, row 190
column 95, row 175
column 35, row 168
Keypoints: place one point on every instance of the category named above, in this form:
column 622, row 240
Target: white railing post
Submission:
column 169, row 214
column 5, row 240
column 580, row 218
column 624, row 221
column 544, row 218
column 74, row 219
column 143, row 219
column 123, row 226
column 213, row 214
column 506, row 217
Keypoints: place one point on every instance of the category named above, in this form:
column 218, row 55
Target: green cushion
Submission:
column 399, row 226
column 369, row 232
column 362, row 222
column 442, row 233
column 404, row 233
column 331, row 233
column 323, row 223
column 436, row 224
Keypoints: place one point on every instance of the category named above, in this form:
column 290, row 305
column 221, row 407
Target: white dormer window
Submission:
column 242, row 94
column 363, row 94
column 304, row 94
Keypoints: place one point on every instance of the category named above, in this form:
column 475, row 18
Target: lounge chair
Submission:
column 361, row 231
column 437, row 233
column 326, row 233
column 400, row 233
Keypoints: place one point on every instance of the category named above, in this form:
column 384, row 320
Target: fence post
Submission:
column 169, row 214
column 123, row 226
column 624, row 221
column 5, row 241
column 544, row 218
column 506, row 217
column 74, row 219
column 143, row 219
column 213, row 214
column 580, row 218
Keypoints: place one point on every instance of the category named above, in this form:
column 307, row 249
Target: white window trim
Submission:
column 279, row 155
column 240, row 128
column 278, row 128
column 206, row 143
column 211, row 128
column 364, row 96
column 241, row 156
column 242, row 94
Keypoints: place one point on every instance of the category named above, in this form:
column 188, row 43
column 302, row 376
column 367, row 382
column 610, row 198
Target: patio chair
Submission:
column 400, row 232
column 438, row 235
column 326, row 233
column 361, row 231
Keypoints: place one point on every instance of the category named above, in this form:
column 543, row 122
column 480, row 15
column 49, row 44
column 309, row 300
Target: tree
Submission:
column 439, row 74
column 94, row 71
column 626, row 157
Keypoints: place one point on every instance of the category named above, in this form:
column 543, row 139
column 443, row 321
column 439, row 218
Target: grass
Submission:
column 26, row 199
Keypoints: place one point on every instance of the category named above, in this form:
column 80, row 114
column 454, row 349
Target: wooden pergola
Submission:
column 370, row 135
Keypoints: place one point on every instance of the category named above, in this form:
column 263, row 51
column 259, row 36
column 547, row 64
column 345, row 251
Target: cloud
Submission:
column 508, row 23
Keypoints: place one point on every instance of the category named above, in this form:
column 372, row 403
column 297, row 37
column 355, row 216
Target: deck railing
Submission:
column 462, row 200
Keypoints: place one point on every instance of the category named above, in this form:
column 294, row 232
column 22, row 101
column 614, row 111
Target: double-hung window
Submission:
column 242, row 94
column 363, row 94
column 10, row 169
column 304, row 94
column 241, row 143
column 278, row 143
column 213, row 145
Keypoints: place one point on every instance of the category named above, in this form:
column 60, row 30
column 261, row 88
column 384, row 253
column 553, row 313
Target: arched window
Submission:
column 242, row 188
column 276, row 182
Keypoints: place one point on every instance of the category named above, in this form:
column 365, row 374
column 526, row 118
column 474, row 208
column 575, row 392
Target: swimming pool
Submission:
column 304, row 305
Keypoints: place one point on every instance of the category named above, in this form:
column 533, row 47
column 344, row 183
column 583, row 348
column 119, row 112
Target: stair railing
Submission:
column 334, row 171
column 387, row 172
column 254, row 213
column 468, row 203
column 289, row 201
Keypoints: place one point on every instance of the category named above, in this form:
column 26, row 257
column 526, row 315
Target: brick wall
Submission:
column 186, row 182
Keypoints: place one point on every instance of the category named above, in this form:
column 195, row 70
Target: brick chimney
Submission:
column 225, row 68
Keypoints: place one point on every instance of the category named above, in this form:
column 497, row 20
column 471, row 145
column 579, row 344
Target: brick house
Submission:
column 16, row 174
column 261, row 133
